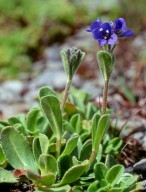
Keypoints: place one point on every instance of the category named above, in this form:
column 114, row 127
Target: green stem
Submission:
column 92, row 156
column 105, row 92
column 58, row 147
column 66, row 93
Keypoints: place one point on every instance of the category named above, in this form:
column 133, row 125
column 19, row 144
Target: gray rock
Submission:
column 52, row 53
column 10, row 91
column 13, row 85
column 140, row 167
column 54, row 65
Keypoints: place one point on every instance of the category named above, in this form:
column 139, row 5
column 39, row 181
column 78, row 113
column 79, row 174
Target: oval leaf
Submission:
column 93, row 187
column 74, row 173
column 70, row 145
column 47, row 164
column 31, row 119
column 36, row 148
column 7, row 176
column 75, row 121
column 51, row 108
column 95, row 121
column 105, row 63
column 100, row 171
column 102, row 125
column 17, row 150
column 114, row 174
column 45, row 91
column 46, row 180
column 65, row 188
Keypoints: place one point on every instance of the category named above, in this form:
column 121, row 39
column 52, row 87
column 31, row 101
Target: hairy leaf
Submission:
column 17, row 150
column 7, row 176
column 114, row 174
column 51, row 107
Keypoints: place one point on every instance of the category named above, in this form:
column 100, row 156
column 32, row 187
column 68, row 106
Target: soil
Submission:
column 18, row 187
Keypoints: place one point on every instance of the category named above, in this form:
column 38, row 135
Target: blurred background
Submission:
column 32, row 33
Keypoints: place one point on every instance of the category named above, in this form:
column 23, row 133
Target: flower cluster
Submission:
column 109, row 32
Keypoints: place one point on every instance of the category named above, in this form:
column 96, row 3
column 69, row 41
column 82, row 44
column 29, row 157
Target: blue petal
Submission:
column 99, row 20
column 113, row 39
column 97, row 34
column 101, row 42
column 106, row 26
column 119, row 24
column 95, row 25
column 127, row 33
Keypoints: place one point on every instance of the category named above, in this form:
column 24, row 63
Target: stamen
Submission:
column 101, row 29
column 107, row 31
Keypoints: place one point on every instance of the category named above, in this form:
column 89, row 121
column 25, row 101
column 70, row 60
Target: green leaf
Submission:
column 105, row 63
column 65, row 188
column 47, row 179
column 36, row 148
column 3, row 124
column 74, row 173
column 102, row 125
column 93, row 187
column 46, row 91
column 13, row 120
column 70, row 109
column 100, row 171
column 128, row 179
column 137, row 186
column 116, row 190
column 113, row 145
column 79, row 98
column 47, row 164
column 85, row 134
column 19, row 123
column 40, row 146
column 17, row 150
column 86, row 150
column 43, row 125
column 110, row 161
column 51, row 107
column 91, row 110
column 95, row 121
column 31, row 119
column 64, row 163
column 7, row 176
column 38, row 180
column 114, row 174
column 75, row 121
column 68, row 127
column 44, row 143
column 104, row 186
column 70, row 145
column 2, row 157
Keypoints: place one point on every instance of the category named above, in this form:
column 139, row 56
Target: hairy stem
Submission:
column 66, row 93
column 104, row 103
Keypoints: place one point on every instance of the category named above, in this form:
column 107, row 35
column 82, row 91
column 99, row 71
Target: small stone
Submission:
column 52, row 53
column 10, row 91
column 14, row 86
column 140, row 167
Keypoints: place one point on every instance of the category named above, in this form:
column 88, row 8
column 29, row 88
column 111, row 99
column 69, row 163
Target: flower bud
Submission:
column 71, row 58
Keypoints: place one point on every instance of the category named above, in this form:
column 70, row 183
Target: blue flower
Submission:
column 119, row 27
column 94, row 25
column 102, row 32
